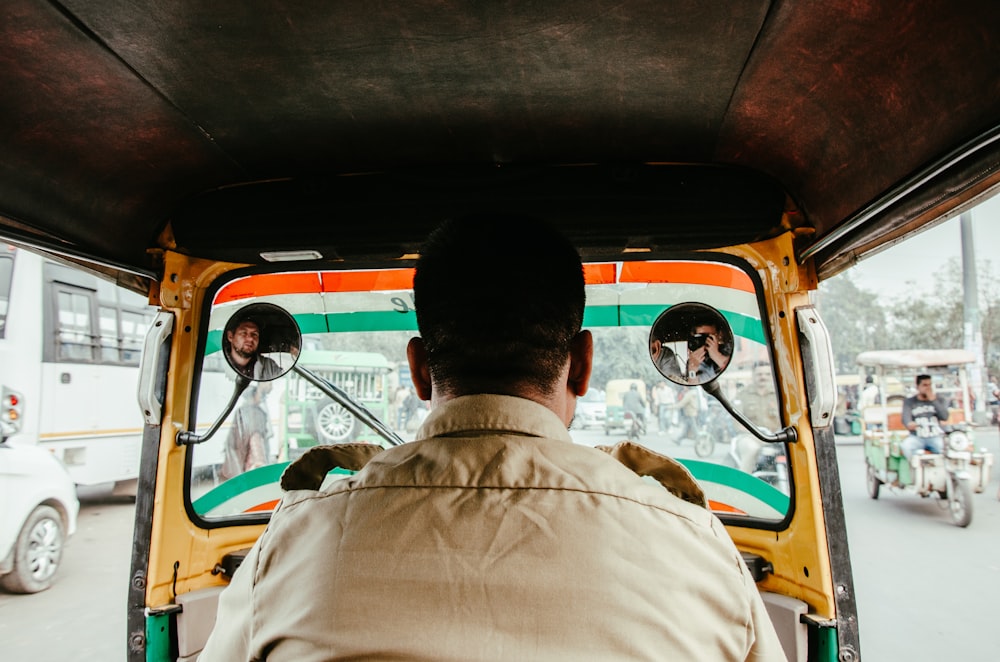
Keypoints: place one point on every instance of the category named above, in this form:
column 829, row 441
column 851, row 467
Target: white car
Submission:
column 591, row 410
column 38, row 510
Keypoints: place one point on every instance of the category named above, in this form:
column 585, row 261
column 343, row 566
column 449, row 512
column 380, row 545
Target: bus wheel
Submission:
column 334, row 424
column 37, row 552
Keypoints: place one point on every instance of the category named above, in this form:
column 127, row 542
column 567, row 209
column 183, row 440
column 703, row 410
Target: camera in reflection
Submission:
column 697, row 341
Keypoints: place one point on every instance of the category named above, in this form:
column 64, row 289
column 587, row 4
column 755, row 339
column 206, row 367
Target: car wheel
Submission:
column 37, row 552
column 334, row 424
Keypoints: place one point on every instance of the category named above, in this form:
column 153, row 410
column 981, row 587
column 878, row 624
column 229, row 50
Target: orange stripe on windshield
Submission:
column 263, row 285
column 367, row 281
column 702, row 273
column 698, row 273
column 719, row 507
column 599, row 274
column 262, row 507
column 315, row 282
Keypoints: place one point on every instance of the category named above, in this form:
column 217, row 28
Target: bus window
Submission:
column 6, row 271
column 109, row 335
column 133, row 329
column 74, row 330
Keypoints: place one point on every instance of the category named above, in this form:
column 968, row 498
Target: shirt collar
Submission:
column 471, row 415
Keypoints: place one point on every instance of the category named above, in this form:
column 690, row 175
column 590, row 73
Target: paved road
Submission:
column 926, row 589
column 82, row 617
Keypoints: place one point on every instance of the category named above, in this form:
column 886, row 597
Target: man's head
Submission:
column 499, row 303
column 762, row 379
column 925, row 389
column 705, row 328
column 243, row 341
column 869, row 380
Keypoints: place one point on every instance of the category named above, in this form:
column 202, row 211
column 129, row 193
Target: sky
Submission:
column 911, row 265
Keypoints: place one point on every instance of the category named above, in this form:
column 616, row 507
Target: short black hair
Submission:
column 498, row 301
column 921, row 378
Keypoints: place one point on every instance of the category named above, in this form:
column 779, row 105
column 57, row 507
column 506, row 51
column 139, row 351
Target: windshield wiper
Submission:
column 356, row 408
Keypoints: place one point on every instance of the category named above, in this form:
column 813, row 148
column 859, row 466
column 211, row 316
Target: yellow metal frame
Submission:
column 799, row 553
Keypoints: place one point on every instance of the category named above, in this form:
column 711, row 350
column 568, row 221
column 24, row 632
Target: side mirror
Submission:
column 691, row 344
column 261, row 341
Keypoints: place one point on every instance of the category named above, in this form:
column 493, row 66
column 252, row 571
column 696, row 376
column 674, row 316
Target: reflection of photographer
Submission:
column 706, row 334
column 708, row 353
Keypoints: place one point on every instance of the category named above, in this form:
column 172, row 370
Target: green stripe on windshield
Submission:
column 708, row 472
column 268, row 474
column 391, row 320
column 644, row 315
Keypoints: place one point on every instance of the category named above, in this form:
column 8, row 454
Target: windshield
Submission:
column 355, row 326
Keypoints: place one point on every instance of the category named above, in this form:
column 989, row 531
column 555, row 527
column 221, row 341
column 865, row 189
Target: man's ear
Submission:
column 581, row 363
column 416, row 356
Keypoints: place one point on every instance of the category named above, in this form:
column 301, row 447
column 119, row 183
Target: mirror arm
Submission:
column 350, row 405
column 787, row 435
column 189, row 437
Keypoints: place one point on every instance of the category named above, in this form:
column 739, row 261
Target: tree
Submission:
column 622, row 353
column 937, row 320
column 853, row 317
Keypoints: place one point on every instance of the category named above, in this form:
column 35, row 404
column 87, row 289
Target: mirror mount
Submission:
column 787, row 435
column 190, row 437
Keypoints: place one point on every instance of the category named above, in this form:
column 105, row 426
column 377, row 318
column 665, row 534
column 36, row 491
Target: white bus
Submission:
column 70, row 344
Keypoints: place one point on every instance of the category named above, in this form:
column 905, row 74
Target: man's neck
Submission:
column 559, row 405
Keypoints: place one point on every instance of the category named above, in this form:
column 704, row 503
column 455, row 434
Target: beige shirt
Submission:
column 492, row 538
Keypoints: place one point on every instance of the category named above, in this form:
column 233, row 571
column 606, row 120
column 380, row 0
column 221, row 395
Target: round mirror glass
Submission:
column 261, row 341
column 691, row 343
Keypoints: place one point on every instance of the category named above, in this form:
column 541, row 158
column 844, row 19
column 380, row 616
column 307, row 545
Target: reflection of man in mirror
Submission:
column 244, row 342
column 247, row 443
column 708, row 353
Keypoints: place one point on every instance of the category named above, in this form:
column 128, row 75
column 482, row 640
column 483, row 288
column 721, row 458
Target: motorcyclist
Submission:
column 634, row 404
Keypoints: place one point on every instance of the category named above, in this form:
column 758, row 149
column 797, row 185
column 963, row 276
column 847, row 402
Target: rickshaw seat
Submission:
column 196, row 621
column 895, row 420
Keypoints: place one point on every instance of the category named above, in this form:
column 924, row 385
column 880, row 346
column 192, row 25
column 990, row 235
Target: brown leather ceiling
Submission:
column 118, row 117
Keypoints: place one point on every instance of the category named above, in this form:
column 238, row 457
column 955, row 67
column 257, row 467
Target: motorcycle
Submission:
column 951, row 476
column 766, row 461
column 703, row 438
column 635, row 425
